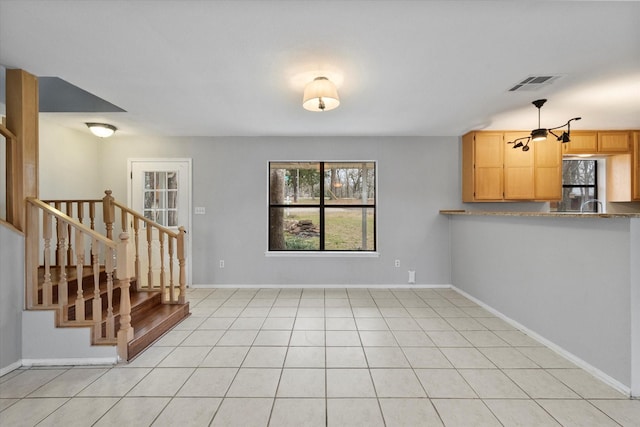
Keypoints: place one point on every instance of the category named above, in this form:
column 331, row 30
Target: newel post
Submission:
column 124, row 272
column 108, row 212
column 182, row 280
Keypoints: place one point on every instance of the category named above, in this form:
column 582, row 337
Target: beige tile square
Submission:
column 378, row 339
column 585, row 384
column 247, row 323
column 448, row 339
column 172, row 338
column 192, row 411
column 307, row 338
column 228, row 312
column 365, row 311
column 127, row 412
column 305, row 357
column 396, row 383
column 222, row 357
column 217, row 323
column 450, row 312
column 116, row 382
column 525, row 413
column 69, row 383
column 425, row 357
column 302, row 383
column 304, row 312
column 309, row 324
column 518, row 338
column 28, row 412
column 255, row 382
column 434, row 324
column 243, row 412
column 283, row 312
column 507, row 357
column 77, row 412
column 349, row 383
column 626, row 412
column 576, row 413
column 338, row 311
column 340, row 324
column 185, row 357
column 354, row 413
column 162, row 382
column 278, row 323
column 495, row 324
column 150, row 357
column 207, row 338
column 413, row 339
column 409, row 412
column 444, row 383
column 545, row 357
column 539, row 384
column 371, row 324
column 484, row 339
column 492, row 384
column 208, row 382
column 386, row 357
column 342, row 338
column 465, row 324
column 337, row 303
column 256, row 311
column 238, row 338
column 299, row 412
column 465, row 413
column 346, row 357
column 421, row 312
column 278, row 338
column 189, row 324
column 462, row 357
column 389, row 312
column 265, row 357
column 402, row 324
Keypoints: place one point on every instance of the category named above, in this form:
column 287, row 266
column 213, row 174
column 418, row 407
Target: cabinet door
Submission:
column 582, row 142
column 488, row 162
column 548, row 169
column 636, row 166
column 613, row 142
column 518, row 169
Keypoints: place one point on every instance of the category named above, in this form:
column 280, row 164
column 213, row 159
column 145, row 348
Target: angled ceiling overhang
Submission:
column 60, row 96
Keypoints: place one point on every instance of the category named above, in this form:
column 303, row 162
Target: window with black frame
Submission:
column 322, row 206
column 579, row 185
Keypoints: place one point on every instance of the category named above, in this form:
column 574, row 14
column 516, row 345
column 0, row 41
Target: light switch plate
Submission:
column 200, row 210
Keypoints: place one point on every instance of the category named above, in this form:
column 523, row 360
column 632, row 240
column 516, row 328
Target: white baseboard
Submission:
column 70, row 362
column 553, row 346
column 333, row 286
column 12, row 367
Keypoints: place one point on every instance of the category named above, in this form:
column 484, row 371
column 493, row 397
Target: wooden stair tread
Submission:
column 155, row 323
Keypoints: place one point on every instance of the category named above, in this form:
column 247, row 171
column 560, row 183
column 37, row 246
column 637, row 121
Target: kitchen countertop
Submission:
column 540, row 214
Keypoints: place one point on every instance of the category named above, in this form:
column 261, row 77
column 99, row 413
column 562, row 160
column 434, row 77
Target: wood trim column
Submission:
column 22, row 152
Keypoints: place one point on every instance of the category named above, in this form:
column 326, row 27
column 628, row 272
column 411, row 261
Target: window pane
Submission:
column 172, row 180
column 294, row 229
column 349, row 183
column 172, row 220
column 172, row 197
column 294, row 183
column 574, row 197
column 579, row 172
column 349, row 229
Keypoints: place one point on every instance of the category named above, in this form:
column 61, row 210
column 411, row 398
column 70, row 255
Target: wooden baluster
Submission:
column 149, row 257
column 181, row 263
column 70, row 257
column 108, row 266
column 79, row 238
column 108, row 213
column 92, row 215
column 63, row 296
column 97, row 300
column 58, row 248
column 47, row 287
column 124, row 273
column 136, row 240
column 123, row 221
column 163, row 283
column 80, row 208
column 172, row 290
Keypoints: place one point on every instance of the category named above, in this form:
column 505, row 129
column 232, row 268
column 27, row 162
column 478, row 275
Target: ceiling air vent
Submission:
column 533, row 83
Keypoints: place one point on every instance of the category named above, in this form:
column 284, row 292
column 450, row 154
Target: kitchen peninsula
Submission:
column 569, row 279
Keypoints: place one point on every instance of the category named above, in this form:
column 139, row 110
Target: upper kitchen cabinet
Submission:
column 493, row 170
column 623, row 173
column 598, row 142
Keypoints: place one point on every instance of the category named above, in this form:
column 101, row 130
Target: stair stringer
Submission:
column 43, row 344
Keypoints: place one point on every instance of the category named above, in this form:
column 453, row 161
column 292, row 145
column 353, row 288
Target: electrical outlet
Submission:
column 221, row 263
column 397, row 263
column 200, row 210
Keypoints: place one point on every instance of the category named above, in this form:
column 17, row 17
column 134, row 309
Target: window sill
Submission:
column 323, row 254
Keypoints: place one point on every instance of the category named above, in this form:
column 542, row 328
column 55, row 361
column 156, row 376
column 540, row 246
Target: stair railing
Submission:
column 65, row 241
column 156, row 251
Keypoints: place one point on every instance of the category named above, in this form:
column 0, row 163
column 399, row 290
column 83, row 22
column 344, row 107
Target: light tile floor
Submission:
column 318, row 357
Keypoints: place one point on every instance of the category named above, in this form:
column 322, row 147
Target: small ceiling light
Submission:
column 540, row 134
column 101, row 130
column 320, row 95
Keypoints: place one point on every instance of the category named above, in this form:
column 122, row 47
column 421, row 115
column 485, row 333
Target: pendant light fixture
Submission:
column 540, row 134
column 101, row 130
column 320, row 95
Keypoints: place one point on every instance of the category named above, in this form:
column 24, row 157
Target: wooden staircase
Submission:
column 128, row 291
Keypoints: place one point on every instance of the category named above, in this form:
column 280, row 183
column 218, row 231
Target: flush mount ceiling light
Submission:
column 320, row 95
column 102, row 130
column 540, row 134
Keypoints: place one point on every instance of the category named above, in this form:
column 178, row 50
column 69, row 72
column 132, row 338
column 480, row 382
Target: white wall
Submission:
column 416, row 178
column 567, row 279
column 11, row 297
column 69, row 163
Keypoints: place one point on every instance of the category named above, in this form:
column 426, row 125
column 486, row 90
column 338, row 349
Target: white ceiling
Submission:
column 220, row 68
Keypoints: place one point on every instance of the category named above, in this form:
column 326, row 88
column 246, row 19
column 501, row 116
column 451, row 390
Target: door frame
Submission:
column 188, row 160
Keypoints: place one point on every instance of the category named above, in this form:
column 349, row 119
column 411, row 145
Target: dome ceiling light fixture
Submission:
column 540, row 134
column 102, row 130
column 320, row 95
